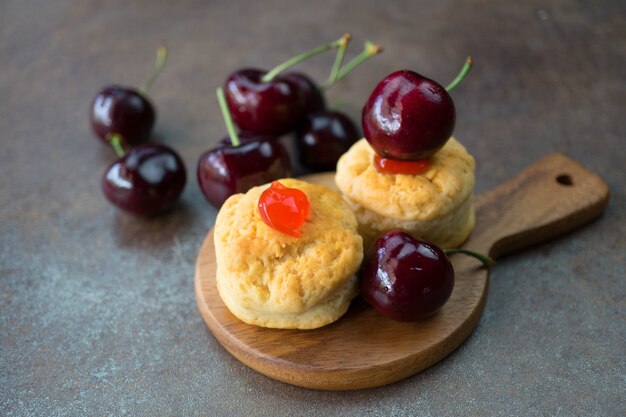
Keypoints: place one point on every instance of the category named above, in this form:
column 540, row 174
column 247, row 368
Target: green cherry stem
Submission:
column 228, row 119
column 341, row 53
column 486, row 260
column 116, row 140
column 369, row 51
column 161, row 59
column 464, row 71
column 299, row 58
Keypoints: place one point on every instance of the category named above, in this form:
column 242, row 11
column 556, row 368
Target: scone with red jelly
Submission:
column 269, row 278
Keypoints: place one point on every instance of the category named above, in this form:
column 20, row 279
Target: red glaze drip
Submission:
column 284, row 209
column 393, row 166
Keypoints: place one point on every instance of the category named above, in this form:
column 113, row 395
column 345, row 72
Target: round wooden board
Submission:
column 362, row 349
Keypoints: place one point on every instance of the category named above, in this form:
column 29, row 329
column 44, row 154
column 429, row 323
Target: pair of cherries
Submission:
column 148, row 177
column 266, row 104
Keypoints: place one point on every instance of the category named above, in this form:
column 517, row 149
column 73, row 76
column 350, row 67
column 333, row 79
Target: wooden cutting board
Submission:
column 364, row 349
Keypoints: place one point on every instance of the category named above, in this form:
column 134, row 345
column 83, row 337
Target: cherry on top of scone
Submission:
column 126, row 111
column 409, row 117
column 284, row 209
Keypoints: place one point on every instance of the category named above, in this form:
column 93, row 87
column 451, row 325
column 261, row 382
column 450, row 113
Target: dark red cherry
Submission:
column 227, row 170
column 148, row 179
column 310, row 92
column 405, row 278
column 323, row 138
column 274, row 107
column 408, row 116
column 124, row 111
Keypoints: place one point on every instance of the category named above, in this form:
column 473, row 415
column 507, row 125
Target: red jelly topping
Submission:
column 284, row 209
column 393, row 166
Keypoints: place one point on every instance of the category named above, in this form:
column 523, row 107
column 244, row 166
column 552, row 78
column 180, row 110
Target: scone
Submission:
column 435, row 206
column 271, row 279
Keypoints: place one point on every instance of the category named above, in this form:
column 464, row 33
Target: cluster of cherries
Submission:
column 147, row 177
column 258, row 106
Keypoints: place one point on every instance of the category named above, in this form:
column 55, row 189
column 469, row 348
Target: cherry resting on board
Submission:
column 408, row 279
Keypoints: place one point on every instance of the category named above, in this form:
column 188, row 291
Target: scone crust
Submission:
column 448, row 182
column 274, row 280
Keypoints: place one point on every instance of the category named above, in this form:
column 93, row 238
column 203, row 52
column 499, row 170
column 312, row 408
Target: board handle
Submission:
column 552, row 196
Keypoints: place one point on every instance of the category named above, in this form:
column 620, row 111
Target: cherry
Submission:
column 408, row 279
column 268, row 102
column 228, row 170
column 236, row 167
column 323, row 138
column 263, row 107
column 284, row 209
column 146, row 180
column 409, row 116
column 126, row 111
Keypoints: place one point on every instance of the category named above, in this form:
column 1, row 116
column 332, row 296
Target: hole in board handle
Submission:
column 565, row 179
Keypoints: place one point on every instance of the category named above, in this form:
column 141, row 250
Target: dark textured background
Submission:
column 97, row 310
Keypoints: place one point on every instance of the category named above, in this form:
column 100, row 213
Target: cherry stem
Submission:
column 116, row 140
column 369, row 51
column 228, row 119
column 341, row 53
column 464, row 71
column 269, row 76
column 486, row 260
column 161, row 59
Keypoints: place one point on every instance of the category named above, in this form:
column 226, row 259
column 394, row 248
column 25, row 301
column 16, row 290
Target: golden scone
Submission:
column 271, row 279
column 435, row 206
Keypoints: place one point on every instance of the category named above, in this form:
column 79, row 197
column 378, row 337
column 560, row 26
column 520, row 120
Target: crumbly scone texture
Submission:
column 436, row 205
column 270, row 279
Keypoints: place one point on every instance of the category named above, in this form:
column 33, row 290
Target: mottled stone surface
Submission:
column 97, row 310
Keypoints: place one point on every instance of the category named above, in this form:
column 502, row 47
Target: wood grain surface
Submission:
column 364, row 349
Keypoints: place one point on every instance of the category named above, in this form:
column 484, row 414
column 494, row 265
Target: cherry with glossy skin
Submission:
column 408, row 116
column 284, row 209
column 227, row 170
column 406, row 279
column 323, row 138
column 122, row 110
column 270, row 102
column 146, row 180
column 273, row 107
